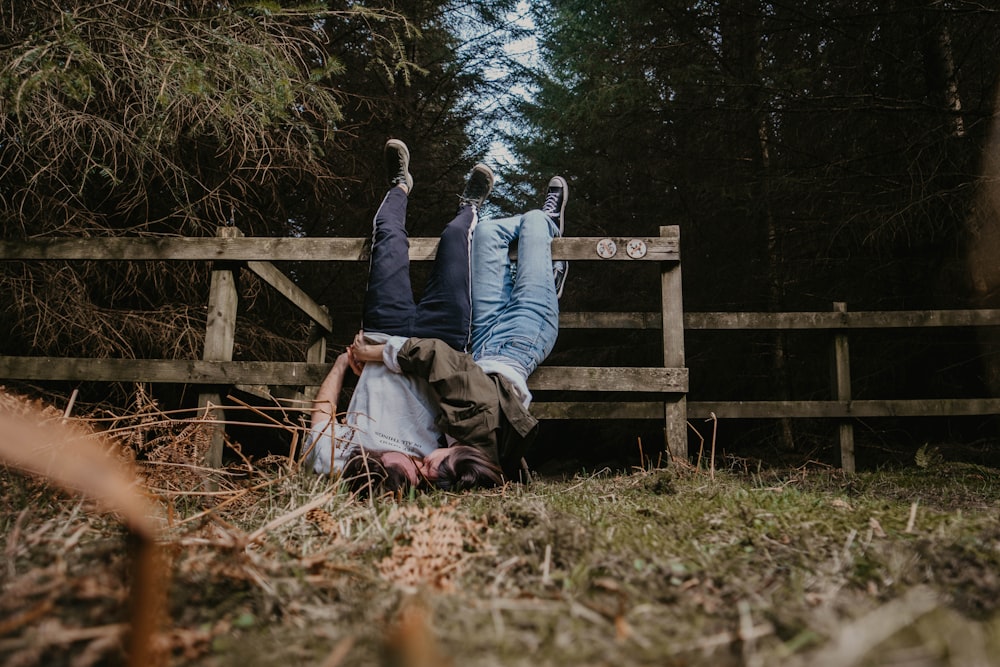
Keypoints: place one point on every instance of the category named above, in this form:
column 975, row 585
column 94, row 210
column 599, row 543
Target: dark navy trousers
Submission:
column 445, row 309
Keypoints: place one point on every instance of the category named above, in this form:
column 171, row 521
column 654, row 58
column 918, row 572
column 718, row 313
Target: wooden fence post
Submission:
column 841, row 381
column 220, row 335
column 672, row 312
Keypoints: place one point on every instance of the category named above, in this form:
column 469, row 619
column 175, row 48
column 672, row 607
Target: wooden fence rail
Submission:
column 231, row 252
column 839, row 321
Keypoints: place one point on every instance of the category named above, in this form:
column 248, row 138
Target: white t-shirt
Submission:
column 389, row 411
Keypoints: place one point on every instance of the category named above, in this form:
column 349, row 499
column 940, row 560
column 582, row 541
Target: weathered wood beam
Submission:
column 840, row 381
column 931, row 407
column 608, row 320
column 186, row 371
column 845, row 320
column 628, row 379
column 802, row 320
column 653, row 410
column 284, row 285
column 220, row 338
column 563, row 378
column 672, row 308
column 285, row 249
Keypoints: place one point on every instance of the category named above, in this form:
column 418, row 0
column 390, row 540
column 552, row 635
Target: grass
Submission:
column 665, row 566
column 662, row 566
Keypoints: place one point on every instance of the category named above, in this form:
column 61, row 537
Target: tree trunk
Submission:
column 939, row 68
column 982, row 239
column 742, row 27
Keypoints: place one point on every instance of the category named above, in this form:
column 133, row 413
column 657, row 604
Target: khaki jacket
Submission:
column 477, row 409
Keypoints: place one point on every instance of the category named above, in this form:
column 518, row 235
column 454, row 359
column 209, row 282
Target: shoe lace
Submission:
column 401, row 172
column 551, row 202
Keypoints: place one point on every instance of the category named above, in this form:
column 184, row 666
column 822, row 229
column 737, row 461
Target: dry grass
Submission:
column 657, row 566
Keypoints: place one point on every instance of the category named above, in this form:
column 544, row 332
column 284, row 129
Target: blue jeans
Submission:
column 445, row 309
column 515, row 314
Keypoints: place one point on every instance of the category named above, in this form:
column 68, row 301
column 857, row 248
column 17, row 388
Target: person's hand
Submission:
column 357, row 365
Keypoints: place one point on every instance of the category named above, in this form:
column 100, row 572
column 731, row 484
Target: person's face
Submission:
column 430, row 465
column 404, row 463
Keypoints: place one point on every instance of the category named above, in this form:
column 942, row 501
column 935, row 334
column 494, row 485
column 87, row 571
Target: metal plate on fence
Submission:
column 606, row 248
column 636, row 248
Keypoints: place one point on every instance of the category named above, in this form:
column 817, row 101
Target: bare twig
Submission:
column 913, row 516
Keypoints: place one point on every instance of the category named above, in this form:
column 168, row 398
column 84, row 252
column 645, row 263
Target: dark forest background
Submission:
column 809, row 154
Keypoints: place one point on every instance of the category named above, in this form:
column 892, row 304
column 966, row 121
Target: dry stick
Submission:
column 10, row 551
column 238, row 450
column 913, row 516
column 746, row 633
column 26, row 617
column 546, row 563
column 294, row 445
column 290, row 516
column 854, row 640
column 237, row 495
column 701, row 447
column 147, row 598
column 69, row 406
column 715, row 426
column 642, row 465
column 339, row 652
column 63, row 636
column 526, row 471
column 257, row 411
column 192, row 467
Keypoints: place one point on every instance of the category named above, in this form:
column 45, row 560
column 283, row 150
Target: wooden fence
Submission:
column 840, row 407
column 230, row 251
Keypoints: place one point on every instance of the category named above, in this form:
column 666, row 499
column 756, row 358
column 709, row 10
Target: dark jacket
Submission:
column 479, row 410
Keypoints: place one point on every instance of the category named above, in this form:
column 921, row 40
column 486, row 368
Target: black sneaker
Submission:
column 555, row 207
column 397, row 164
column 555, row 201
column 479, row 186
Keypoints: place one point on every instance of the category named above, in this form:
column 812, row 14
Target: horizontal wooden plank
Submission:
column 849, row 320
column 900, row 319
column 301, row 373
column 163, row 370
column 932, row 407
column 665, row 380
column 654, row 410
column 665, row 248
column 270, row 274
column 631, row 379
column 610, row 320
column 658, row 249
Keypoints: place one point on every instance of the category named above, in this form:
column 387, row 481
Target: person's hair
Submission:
column 365, row 474
column 466, row 467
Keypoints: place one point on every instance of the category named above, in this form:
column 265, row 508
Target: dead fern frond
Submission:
column 432, row 547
